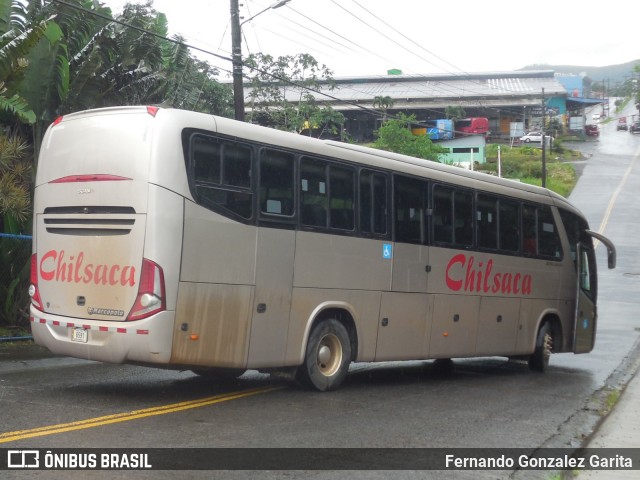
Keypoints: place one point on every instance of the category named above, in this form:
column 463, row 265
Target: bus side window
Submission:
column 237, row 166
column 588, row 278
column 574, row 227
column 220, row 175
column 341, row 197
column 276, row 182
column 463, row 217
column 442, row 215
column 549, row 241
column 373, row 203
column 529, row 240
column 207, row 158
column 487, row 222
column 410, row 202
column 314, row 197
column 509, row 226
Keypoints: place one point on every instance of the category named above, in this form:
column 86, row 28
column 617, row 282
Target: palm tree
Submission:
column 17, row 40
column 83, row 58
column 385, row 103
column 15, row 209
column 15, row 180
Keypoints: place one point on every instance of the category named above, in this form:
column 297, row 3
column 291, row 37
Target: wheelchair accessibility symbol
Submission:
column 387, row 251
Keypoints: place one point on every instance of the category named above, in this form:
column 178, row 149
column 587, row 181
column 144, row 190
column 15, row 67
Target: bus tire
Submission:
column 219, row 374
column 539, row 359
column 327, row 357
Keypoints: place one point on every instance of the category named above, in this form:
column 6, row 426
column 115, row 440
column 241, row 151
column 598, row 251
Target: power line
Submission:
column 379, row 32
column 452, row 89
column 357, row 106
column 157, row 35
column 409, row 39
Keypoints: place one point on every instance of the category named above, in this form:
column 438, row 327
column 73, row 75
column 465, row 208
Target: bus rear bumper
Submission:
column 144, row 341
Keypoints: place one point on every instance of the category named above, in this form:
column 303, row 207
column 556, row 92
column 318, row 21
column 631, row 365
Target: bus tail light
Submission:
column 34, row 291
column 151, row 293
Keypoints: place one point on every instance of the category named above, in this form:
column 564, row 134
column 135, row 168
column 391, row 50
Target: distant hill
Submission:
column 611, row 73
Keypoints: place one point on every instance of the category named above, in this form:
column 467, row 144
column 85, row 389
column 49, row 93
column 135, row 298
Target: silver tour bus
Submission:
column 177, row 239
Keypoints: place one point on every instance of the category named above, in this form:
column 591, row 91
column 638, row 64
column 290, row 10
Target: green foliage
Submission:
column 15, row 178
column 275, row 81
column 383, row 102
column 456, row 112
column 15, row 208
column 18, row 38
column 319, row 121
column 395, row 136
column 524, row 164
column 558, row 147
column 17, row 106
column 81, row 60
column 14, row 281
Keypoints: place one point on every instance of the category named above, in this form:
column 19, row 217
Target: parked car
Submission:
column 622, row 123
column 595, row 116
column 635, row 128
column 591, row 130
column 534, row 137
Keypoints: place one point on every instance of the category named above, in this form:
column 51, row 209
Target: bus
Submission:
column 472, row 126
column 183, row 240
column 439, row 129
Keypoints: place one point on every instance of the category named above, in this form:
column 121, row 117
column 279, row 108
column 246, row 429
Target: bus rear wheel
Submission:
column 327, row 356
column 539, row 359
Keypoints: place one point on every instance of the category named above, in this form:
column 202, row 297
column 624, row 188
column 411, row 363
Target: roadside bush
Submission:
column 14, row 281
column 528, row 150
column 524, row 164
column 558, row 147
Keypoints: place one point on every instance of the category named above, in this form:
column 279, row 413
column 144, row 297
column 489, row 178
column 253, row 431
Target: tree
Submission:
column 454, row 112
column 15, row 181
column 15, row 209
column 46, row 81
column 282, row 89
column 320, row 121
column 384, row 103
column 395, row 136
column 17, row 40
column 188, row 83
column 95, row 62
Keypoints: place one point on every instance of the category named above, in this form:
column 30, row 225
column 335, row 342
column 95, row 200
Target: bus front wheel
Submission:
column 539, row 359
column 327, row 357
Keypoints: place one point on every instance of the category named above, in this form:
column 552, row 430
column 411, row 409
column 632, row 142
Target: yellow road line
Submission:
column 127, row 416
column 614, row 197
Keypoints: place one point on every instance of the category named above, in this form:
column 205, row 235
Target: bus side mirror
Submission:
column 611, row 249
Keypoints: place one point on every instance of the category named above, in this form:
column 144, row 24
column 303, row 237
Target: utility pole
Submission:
column 236, row 56
column 236, row 53
column 544, row 142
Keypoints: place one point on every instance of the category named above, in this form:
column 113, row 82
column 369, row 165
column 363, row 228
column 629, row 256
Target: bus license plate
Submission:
column 80, row 335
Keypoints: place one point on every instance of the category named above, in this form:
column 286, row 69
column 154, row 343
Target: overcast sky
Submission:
column 369, row 37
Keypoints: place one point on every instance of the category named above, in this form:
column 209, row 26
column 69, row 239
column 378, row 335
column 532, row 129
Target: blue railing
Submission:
column 17, row 237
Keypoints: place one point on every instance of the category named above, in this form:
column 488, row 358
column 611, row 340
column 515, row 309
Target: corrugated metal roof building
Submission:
column 500, row 96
